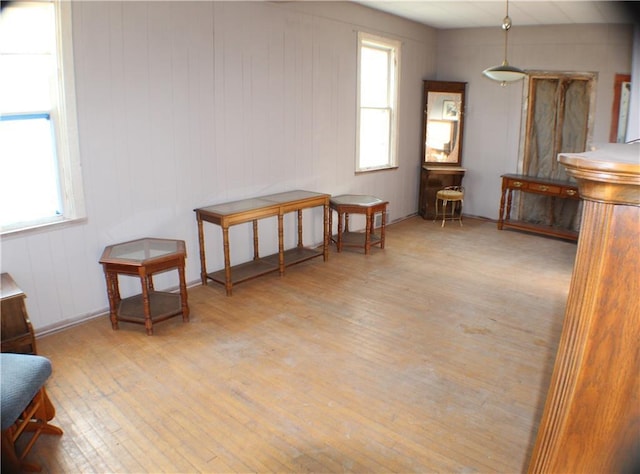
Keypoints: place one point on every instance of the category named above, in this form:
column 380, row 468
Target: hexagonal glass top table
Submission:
column 143, row 258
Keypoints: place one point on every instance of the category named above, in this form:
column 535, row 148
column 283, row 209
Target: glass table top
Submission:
column 252, row 204
column 356, row 200
column 142, row 250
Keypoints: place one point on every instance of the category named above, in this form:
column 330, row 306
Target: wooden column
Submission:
column 591, row 419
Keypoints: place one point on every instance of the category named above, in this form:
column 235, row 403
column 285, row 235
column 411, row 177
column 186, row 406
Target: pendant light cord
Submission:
column 506, row 26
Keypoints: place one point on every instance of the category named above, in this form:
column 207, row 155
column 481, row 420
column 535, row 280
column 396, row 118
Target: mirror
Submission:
column 443, row 122
column 620, row 108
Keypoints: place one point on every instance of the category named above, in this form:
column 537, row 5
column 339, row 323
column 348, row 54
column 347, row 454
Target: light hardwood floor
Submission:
column 432, row 355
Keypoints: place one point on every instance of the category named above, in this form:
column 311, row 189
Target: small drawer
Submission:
column 549, row 189
column 517, row 184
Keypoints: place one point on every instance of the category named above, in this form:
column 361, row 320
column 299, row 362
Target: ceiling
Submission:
column 484, row 13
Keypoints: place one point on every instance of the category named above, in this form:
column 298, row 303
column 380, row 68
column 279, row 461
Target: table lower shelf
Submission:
column 163, row 306
column 357, row 239
column 541, row 229
column 255, row 268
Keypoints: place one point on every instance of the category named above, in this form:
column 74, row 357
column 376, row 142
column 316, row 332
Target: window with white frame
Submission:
column 40, row 182
column 378, row 69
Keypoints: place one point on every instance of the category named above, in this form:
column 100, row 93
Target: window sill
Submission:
column 371, row 170
column 38, row 227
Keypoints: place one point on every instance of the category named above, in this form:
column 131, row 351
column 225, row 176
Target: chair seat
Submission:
column 450, row 195
column 453, row 195
column 22, row 377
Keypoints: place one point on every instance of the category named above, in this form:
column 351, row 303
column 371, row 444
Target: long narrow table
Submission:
column 251, row 210
column 546, row 187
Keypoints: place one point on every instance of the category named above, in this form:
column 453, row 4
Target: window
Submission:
column 378, row 66
column 39, row 155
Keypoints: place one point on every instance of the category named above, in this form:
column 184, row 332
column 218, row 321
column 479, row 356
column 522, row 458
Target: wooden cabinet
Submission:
column 17, row 332
column 432, row 180
column 591, row 417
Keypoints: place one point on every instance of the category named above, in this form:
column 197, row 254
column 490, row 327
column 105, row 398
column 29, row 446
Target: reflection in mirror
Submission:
column 440, row 139
column 443, row 122
column 620, row 109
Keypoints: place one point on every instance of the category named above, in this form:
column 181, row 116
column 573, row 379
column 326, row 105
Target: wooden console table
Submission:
column 531, row 184
column 251, row 210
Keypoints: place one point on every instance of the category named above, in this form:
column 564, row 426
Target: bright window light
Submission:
column 39, row 155
column 377, row 102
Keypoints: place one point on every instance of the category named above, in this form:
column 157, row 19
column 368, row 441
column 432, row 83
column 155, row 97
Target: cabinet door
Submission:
column 17, row 334
column 430, row 183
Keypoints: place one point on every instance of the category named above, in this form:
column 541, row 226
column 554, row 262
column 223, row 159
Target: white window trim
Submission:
column 387, row 43
column 64, row 117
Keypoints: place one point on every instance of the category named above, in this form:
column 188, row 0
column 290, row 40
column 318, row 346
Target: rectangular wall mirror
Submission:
column 443, row 122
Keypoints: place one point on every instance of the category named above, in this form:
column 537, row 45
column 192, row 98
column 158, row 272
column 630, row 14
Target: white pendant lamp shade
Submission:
column 505, row 73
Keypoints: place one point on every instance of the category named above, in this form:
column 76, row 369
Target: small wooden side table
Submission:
column 143, row 258
column 346, row 204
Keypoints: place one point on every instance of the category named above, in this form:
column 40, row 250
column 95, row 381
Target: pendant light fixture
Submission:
column 505, row 73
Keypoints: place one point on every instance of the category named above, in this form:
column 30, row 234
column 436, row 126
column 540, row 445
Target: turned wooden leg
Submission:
column 367, row 233
column 146, row 302
column 227, row 261
column 339, row 243
column 183, row 293
column 383, row 225
column 113, row 293
column 203, row 265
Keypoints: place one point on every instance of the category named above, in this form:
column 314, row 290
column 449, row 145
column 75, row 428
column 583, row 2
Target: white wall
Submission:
column 493, row 119
column 187, row 104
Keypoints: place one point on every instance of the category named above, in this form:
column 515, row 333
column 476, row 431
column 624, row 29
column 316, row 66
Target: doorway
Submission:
column 558, row 117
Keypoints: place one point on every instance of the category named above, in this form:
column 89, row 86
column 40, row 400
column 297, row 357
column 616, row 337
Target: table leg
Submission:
column 367, row 232
column 228, row 284
column 331, row 238
column 339, row 242
column 146, row 302
column 183, row 292
column 383, row 224
column 501, row 216
column 203, row 266
column 113, row 293
column 281, row 243
column 300, row 241
column 327, row 231
column 256, row 251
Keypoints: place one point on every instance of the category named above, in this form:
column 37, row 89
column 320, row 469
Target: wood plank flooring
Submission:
column 432, row 355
